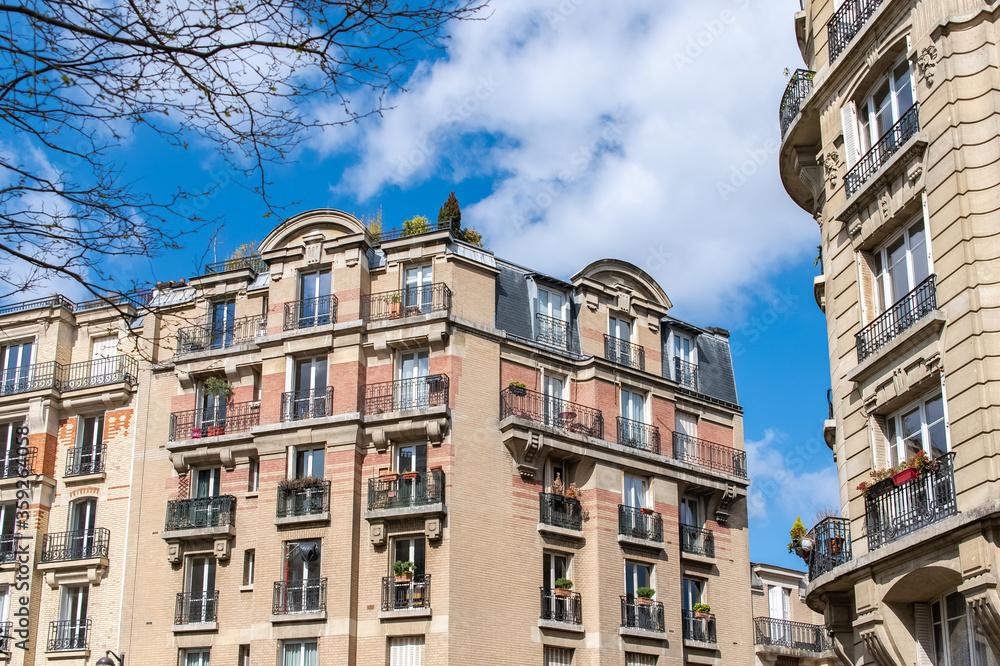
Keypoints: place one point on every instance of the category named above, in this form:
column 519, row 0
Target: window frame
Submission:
column 880, row 265
column 868, row 99
column 893, row 429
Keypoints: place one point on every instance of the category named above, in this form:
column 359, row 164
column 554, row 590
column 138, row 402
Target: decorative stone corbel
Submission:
column 379, row 439
column 524, row 446
column 174, row 552
column 926, row 63
column 432, row 529
column 831, row 167
column 376, row 533
column 180, row 463
column 227, row 459
column 984, row 603
column 722, row 511
column 222, row 548
column 876, row 640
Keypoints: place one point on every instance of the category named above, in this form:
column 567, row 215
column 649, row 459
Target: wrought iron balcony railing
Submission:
column 895, row 511
column 551, row 331
column 560, row 511
column 709, row 454
column 406, row 594
column 299, row 596
column 253, row 262
column 302, row 405
column 310, row 312
column 226, row 418
column 399, row 492
column 408, row 302
column 26, row 378
column 200, row 513
column 66, row 635
column 697, row 541
column 220, row 335
column 8, row 547
column 686, row 374
column 37, row 304
column 698, row 628
column 5, row 636
column 417, row 230
column 798, row 88
column 792, row 635
column 638, row 524
column 82, row 460
column 831, row 539
column 638, row 435
column 19, row 463
column 99, row 372
column 624, row 352
column 889, row 325
column 196, row 607
column 550, row 411
column 846, row 22
column 884, row 148
column 79, row 545
column 137, row 299
column 640, row 613
column 402, row 395
column 561, row 606
column 311, row 499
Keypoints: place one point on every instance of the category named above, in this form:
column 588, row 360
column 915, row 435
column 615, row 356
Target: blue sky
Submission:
column 572, row 130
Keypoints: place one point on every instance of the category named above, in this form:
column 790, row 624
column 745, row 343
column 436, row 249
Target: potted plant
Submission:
column 518, row 389
column 797, row 534
column 905, row 473
column 573, row 492
column 195, row 432
column 389, row 476
column 702, row 610
column 403, row 571
column 394, row 306
column 645, row 595
column 563, row 587
column 411, row 475
column 221, row 387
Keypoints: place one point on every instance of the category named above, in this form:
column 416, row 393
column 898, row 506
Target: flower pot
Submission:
column 560, row 592
column 436, row 468
column 644, row 601
column 836, row 545
column 646, row 512
column 214, row 431
column 394, row 310
column 195, row 433
column 702, row 614
column 519, row 390
column 411, row 475
column 389, row 476
column 905, row 476
column 880, row 487
column 405, row 578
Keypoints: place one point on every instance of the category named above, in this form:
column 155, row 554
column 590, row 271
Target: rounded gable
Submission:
column 616, row 271
column 329, row 222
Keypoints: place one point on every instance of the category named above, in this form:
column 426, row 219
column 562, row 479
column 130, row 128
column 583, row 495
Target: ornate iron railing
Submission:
column 221, row 419
column 903, row 314
column 309, row 500
column 25, row 378
column 884, row 148
column 642, row 614
column 686, row 374
column 395, row 234
column 709, row 454
column 137, row 299
column 624, row 352
column 560, row 606
column 697, row 541
column 310, row 312
column 196, row 607
column 201, row 512
column 638, row 435
column 38, row 303
column 99, row 372
column 398, row 491
column 551, row 411
column 798, row 88
column 635, row 523
column 220, row 335
column 896, row 511
column 8, row 547
column 406, row 594
column 82, row 460
column 402, row 395
column 80, row 545
column 299, row 596
column 5, row 636
column 831, row 539
column 65, row 635
column 793, row 635
column 551, row 331
column 560, row 511
column 698, row 628
column 301, row 405
column 253, row 262
column 846, row 22
column 20, row 463
column 407, row 302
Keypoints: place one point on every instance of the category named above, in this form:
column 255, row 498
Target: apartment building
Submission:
column 786, row 631
column 889, row 141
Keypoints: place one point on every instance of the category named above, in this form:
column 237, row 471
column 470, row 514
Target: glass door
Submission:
column 15, row 374
column 418, row 290
column 89, row 455
column 620, row 331
column 315, row 289
column 410, row 594
column 80, row 542
column 212, row 416
column 206, row 513
column 634, row 419
column 413, row 391
column 551, row 319
column 72, row 633
column 686, row 427
column 637, row 575
column 8, row 547
column 778, row 599
column 103, row 359
column 411, row 459
column 201, row 590
column 223, row 315
column 552, row 407
column 302, row 576
column 309, row 400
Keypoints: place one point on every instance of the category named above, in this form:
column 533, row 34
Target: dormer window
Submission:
column 685, row 361
column 551, row 318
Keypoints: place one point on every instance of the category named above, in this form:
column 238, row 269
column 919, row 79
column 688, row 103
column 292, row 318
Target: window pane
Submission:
column 911, row 434
column 904, row 92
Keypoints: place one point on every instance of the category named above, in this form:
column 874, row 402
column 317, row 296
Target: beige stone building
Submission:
column 786, row 631
column 889, row 139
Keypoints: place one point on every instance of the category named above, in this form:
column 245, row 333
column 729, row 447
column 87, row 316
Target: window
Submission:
column 207, row 482
column 637, row 574
column 410, row 549
column 418, row 294
column 899, row 266
column 554, row 656
column 957, row 642
column 919, row 427
column 200, row 588
column 692, row 592
column 301, row 575
column 634, row 421
column 71, row 630
column 634, row 491
column 80, row 541
column 554, row 567
column 196, row 657
column 685, row 361
column 4, row 603
column 620, row 328
column 248, row 564
column 307, row 462
column 8, row 522
column 778, row 602
column 243, row 659
column 411, row 458
column 88, row 458
column 406, row 651
column 15, row 367
column 309, row 390
column 551, row 315
column 253, row 475
column 413, row 391
column 690, row 512
column 685, row 435
column 10, row 458
column 222, row 315
column 558, row 469
column 315, row 289
column 553, row 390
column 885, row 105
column 103, row 353
column 636, row 659
column 212, row 417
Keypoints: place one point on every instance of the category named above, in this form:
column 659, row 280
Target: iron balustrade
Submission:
column 408, row 302
column 5, row 636
column 895, row 511
column 551, row 411
column 884, row 148
column 82, row 460
column 903, row 314
column 638, row 435
column 252, row 262
column 38, row 303
column 793, row 635
column 19, row 462
column 633, row 522
column 686, row 374
column 212, row 421
column 77, row 545
column 310, row 313
column 201, row 512
column 405, row 394
column 25, row 378
column 406, row 594
column 299, row 596
column 395, row 234
column 709, row 454
column 399, row 492
column 65, row 635
column 310, row 404
column 137, row 299
column 311, row 499
column 831, row 539
column 551, row 331
column 846, row 22
column 697, row 541
column 798, row 88
column 99, row 372
column 560, row 511
column 642, row 614
column 220, row 335
column 560, row 606
column 698, row 628
column 196, row 607
column 8, row 547
column 624, row 352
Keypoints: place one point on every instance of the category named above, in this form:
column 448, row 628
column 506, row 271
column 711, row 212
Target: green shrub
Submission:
column 417, row 224
column 645, row 592
column 401, row 568
column 702, row 608
column 564, row 584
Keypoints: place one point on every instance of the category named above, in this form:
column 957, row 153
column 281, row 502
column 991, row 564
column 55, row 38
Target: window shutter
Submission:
column 880, row 447
column 849, row 117
column 406, row 651
column 636, row 659
column 922, row 620
column 558, row 656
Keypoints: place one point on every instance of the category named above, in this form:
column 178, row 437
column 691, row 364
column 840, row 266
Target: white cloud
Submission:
column 786, row 481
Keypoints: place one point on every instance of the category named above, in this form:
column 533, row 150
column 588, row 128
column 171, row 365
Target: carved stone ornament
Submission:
column 926, row 63
column 913, row 173
column 831, row 165
column 984, row 604
column 876, row 640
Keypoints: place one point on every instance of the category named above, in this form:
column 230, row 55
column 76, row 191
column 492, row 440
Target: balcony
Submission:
column 798, row 88
column 560, row 515
column 886, row 147
column 892, row 512
column 408, row 494
column 847, row 22
column 553, row 412
column 309, row 404
column 196, row 611
column 551, row 331
column 310, row 313
column 85, row 460
column 697, row 541
column 640, row 616
column 406, row 598
column 5, row 635
column 8, row 548
column 68, row 636
column 252, row 263
column 624, row 352
column 302, row 501
column 38, row 304
column 709, row 454
column 78, row 545
column 700, row 629
column 637, row 435
column 86, row 374
column 403, row 395
column 214, row 421
column 561, row 609
column 409, row 302
column 27, row 378
column 686, row 374
column 299, row 600
column 831, row 539
column 200, row 517
column 220, row 335
column 19, row 465
column 791, row 635
column 901, row 316
column 640, row 527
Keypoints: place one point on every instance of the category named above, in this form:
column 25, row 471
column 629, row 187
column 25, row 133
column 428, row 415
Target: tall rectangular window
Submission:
column 222, row 314
column 406, row 651
column 196, row 657
column 918, row 427
column 15, row 367
column 88, row 458
column 9, row 449
column 315, row 289
column 253, row 475
column 243, row 659
column 299, row 653
column 555, row 656
column 248, row 566
column 418, row 292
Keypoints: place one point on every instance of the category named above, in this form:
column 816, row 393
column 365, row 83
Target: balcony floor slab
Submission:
column 404, row 614
column 627, row 540
column 635, row 632
column 422, row 511
column 285, row 521
column 545, row 528
column 561, row 626
column 307, row 616
column 194, row 627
